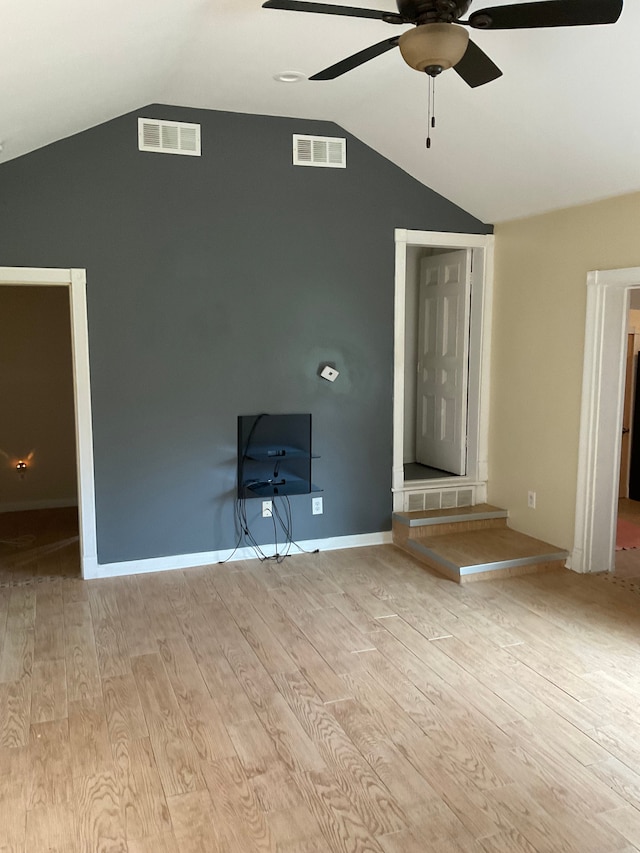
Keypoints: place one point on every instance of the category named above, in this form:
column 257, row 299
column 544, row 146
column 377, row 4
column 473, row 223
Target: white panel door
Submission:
column 443, row 361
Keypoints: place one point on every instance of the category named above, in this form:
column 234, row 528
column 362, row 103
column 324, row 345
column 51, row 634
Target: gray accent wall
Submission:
column 216, row 286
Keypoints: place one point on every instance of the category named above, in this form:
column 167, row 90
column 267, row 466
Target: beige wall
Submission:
column 36, row 398
column 537, row 356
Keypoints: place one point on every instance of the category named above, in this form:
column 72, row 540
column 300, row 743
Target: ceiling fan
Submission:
column 439, row 40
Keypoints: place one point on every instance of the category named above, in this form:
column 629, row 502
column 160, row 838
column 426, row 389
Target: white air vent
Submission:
column 465, row 497
column 435, row 499
column 415, row 501
column 327, row 151
column 447, row 500
column 432, row 500
column 169, row 137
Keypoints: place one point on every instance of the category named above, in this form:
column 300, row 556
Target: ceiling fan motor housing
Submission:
column 434, row 46
column 432, row 11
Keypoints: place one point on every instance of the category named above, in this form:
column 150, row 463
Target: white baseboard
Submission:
column 92, row 570
column 25, row 506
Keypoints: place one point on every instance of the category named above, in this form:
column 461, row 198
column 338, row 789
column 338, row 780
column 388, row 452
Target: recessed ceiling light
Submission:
column 289, row 77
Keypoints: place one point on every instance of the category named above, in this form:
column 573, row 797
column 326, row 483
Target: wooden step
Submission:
column 437, row 522
column 475, row 554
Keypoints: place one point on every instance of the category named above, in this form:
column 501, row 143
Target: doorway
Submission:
column 438, row 297
column 38, row 491
column 74, row 281
column 464, row 482
column 630, row 452
column 627, row 556
column 599, row 452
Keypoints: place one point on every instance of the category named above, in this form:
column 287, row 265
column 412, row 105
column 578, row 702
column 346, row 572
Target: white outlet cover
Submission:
column 329, row 373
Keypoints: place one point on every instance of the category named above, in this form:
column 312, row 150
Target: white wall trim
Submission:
column 208, row 558
column 75, row 280
column 443, row 239
column 479, row 349
column 601, row 418
column 42, row 276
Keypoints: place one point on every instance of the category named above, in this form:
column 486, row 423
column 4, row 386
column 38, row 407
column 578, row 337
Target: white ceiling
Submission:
column 561, row 127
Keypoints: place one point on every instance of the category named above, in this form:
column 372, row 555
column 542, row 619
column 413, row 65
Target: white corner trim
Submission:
column 443, row 239
column 84, row 423
column 399, row 310
column 600, row 418
column 208, row 558
column 42, row 276
column 75, row 280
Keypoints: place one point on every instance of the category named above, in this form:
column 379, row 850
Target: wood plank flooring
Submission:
column 40, row 543
column 343, row 702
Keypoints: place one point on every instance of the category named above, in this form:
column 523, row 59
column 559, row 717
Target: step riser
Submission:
column 402, row 532
column 515, row 571
column 490, row 571
column 451, row 574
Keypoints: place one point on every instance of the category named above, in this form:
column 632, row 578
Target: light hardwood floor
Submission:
column 39, row 543
column 348, row 701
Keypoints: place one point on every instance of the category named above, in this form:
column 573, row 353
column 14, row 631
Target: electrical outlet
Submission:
column 267, row 509
column 316, row 506
column 531, row 500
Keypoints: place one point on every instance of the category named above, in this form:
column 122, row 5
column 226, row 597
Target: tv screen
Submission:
column 274, row 455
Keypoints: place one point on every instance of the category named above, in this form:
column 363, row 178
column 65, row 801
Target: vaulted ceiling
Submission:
column 561, row 127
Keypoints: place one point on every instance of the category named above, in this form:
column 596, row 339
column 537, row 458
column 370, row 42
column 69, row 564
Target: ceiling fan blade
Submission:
column 357, row 59
column 548, row 13
column 476, row 68
column 327, row 9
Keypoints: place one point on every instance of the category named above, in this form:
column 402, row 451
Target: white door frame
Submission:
column 601, row 418
column 482, row 246
column 75, row 280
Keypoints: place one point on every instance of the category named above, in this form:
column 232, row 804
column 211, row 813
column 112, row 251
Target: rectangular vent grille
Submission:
column 465, row 497
column 327, row 151
column 447, row 500
column 169, row 137
column 436, row 499
column 415, row 501
column 432, row 500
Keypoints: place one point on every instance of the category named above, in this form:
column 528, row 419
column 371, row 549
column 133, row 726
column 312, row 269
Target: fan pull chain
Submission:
column 428, row 140
column 431, row 107
column 433, row 102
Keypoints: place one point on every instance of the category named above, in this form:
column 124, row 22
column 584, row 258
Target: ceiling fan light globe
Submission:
column 434, row 44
